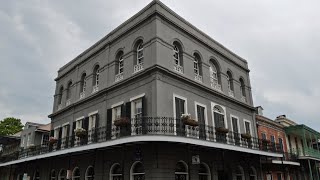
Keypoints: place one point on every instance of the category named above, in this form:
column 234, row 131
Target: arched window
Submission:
column 242, row 90
column 53, row 174
column 89, row 173
column 177, row 57
column 60, row 95
column 36, row 175
column 215, row 76
column 62, row 174
column 137, row 171
column 116, row 172
column 140, row 53
column 76, row 174
column 253, row 173
column 196, row 64
column 95, row 78
column 69, row 90
column 204, row 172
column 83, row 85
column 230, row 84
column 139, row 65
column 218, row 114
column 181, row 172
column 119, row 66
column 96, row 75
column 239, row 175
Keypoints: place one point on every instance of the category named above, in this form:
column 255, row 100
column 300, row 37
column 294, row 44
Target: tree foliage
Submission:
column 10, row 126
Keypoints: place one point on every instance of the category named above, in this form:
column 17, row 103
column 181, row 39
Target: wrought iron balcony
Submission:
column 231, row 93
column 153, row 126
column 243, row 99
column 119, row 77
column 82, row 95
column 95, row 88
column 68, row 102
column 216, row 86
column 197, row 77
column 178, row 68
column 138, row 67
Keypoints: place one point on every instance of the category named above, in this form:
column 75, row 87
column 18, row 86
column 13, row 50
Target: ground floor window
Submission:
column 204, row 172
column 116, row 172
column 253, row 173
column 181, row 172
column 137, row 171
column 53, row 174
column 76, row 174
column 239, row 173
column 62, row 174
column 90, row 173
column 36, row 175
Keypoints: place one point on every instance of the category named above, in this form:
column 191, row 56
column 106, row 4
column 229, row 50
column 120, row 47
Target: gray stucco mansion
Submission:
column 156, row 98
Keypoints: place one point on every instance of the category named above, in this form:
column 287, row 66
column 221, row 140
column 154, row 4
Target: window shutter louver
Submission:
column 109, row 124
column 144, row 119
column 85, row 123
column 72, row 134
column 128, row 110
column 67, row 136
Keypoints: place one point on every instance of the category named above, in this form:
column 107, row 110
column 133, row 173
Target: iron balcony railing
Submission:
column 306, row 152
column 153, row 126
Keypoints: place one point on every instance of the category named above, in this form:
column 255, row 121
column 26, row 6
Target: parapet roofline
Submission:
column 154, row 10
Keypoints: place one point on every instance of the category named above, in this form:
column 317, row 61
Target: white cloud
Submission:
column 280, row 40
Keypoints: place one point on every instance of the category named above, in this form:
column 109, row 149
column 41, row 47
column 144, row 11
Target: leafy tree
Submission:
column 10, row 126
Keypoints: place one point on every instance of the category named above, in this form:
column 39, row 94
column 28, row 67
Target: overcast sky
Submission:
column 279, row 39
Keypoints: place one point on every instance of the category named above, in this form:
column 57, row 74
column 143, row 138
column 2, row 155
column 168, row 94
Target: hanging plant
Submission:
column 187, row 120
column 222, row 130
column 246, row 136
column 53, row 140
column 80, row 132
column 122, row 121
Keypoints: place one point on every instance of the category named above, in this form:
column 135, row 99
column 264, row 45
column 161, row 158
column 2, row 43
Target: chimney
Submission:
column 259, row 110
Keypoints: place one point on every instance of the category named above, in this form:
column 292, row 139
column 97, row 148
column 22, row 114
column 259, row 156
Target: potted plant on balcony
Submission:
column 32, row 147
column 80, row 132
column 246, row 136
column 122, row 122
column 53, row 140
column 222, row 130
column 187, row 120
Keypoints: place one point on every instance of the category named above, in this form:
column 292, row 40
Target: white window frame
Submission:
column 86, row 174
column 187, row 169
column 244, row 124
column 28, row 139
column 174, row 109
column 176, row 51
column 64, row 130
column 73, row 177
column 79, row 122
column 213, row 73
column 132, row 168
column 121, row 65
column 236, row 117
column 140, row 49
column 213, row 104
column 97, row 77
column 92, row 120
column 208, row 174
column 174, row 104
column 196, row 68
column 205, row 116
column 111, row 170
column 56, row 132
column 205, row 111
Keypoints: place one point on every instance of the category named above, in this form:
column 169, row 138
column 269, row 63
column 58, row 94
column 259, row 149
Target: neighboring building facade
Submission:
column 271, row 133
column 303, row 141
column 154, row 99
